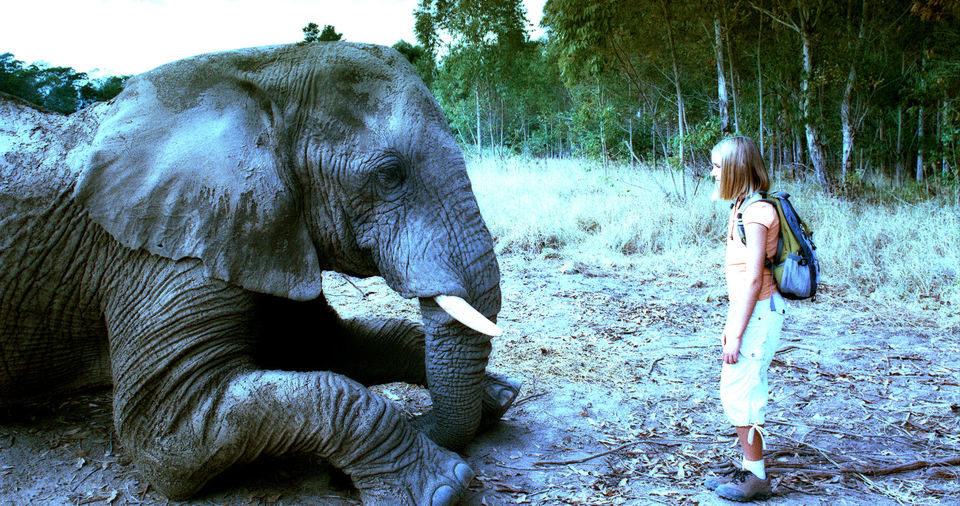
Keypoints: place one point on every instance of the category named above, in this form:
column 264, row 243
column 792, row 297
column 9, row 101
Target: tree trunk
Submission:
column 676, row 82
column 849, row 132
column 603, row 143
column 920, row 142
column 760, row 134
column 814, row 146
column 721, row 80
column 653, row 141
column 501, row 122
column 733, row 84
column 898, row 176
column 798, row 147
column 479, row 130
column 944, row 162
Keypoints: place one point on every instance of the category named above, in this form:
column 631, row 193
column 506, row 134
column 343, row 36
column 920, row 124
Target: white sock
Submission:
column 756, row 467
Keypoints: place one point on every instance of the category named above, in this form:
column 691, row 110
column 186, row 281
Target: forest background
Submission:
column 841, row 91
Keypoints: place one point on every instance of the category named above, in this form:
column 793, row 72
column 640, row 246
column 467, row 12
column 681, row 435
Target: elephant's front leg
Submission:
column 386, row 350
column 189, row 404
column 276, row 413
column 373, row 351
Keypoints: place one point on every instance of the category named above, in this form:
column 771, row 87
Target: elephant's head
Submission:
column 271, row 165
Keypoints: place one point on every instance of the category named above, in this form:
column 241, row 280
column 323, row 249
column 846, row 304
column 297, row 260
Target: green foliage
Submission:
column 19, row 80
column 701, row 137
column 312, row 33
column 329, row 34
column 421, row 60
column 59, row 89
column 602, row 82
column 483, row 80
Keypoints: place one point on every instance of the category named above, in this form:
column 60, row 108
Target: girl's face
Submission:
column 715, row 172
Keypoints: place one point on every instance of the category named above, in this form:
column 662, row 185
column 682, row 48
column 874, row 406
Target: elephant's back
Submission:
column 38, row 155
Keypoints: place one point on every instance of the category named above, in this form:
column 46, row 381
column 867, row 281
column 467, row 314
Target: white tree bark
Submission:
column 814, row 146
column 681, row 122
column 920, row 149
column 846, row 114
column 721, row 79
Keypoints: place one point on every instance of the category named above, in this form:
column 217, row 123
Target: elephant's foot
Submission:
column 499, row 392
column 436, row 477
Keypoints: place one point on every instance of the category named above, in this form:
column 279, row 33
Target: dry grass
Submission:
column 617, row 216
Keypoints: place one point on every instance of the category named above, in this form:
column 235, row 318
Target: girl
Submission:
column 755, row 317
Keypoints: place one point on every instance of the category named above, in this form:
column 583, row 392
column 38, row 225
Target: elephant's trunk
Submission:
column 456, row 359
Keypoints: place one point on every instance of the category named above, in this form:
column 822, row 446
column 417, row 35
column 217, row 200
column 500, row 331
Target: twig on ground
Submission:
column 662, row 442
column 832, row 431
column 85, row 478
column 792, row 347
column 502, row 466
column 348, row 280
column 868, row 471
column 585, row 459
column 822, row 451
column 529, row 398
column 654, row 364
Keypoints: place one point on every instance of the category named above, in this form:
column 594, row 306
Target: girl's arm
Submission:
column 742, row 308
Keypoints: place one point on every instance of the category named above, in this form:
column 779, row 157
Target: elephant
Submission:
column 171, row 243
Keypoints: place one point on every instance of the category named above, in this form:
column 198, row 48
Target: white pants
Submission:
column 743, row 386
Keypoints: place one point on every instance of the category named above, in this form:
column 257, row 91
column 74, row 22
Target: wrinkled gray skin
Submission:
column 172, row 241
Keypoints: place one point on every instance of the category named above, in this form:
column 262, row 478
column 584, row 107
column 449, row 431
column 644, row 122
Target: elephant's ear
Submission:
column 199, row 175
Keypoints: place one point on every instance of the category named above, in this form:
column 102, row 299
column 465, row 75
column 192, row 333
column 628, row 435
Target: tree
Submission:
column 418, row 57
column 19, row 80
column 485, row 37
column 648, row 50
column 724, row 107
column 803, row 16
column 330, row 34
column 846, row 113
column 312, row 33
column 59, row 89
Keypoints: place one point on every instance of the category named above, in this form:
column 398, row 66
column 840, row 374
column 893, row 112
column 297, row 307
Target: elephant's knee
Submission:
column 173, row 470
column 179, row 449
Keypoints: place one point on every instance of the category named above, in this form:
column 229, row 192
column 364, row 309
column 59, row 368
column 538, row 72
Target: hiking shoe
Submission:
column 715, row 481
column 744, row 486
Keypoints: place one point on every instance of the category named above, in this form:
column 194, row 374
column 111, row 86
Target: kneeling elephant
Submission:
column 171, row 243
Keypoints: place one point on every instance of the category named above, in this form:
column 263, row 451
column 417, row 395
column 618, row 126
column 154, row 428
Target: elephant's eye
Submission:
column 390, row 175
column 387, row 173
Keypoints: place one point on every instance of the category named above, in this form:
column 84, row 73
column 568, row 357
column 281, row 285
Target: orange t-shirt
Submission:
column 764, row 214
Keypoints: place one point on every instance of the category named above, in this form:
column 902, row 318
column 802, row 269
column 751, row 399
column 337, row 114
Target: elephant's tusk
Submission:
column 464, row 313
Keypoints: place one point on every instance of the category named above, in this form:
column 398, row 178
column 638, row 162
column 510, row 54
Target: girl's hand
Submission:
column 731, row 349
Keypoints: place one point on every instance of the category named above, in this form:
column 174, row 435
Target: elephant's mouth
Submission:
column 464, row 313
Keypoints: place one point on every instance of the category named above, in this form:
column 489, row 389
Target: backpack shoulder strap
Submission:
column 757, row 196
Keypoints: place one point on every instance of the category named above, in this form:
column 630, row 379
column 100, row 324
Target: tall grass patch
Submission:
column 581, row 211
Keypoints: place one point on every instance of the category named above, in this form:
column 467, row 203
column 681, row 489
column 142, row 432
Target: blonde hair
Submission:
column 742, row 171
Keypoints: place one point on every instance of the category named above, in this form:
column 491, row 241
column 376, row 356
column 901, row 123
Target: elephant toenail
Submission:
column 444, row 495
column 506, row 397
column 464, row 474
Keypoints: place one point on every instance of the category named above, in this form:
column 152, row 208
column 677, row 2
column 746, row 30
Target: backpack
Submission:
column 795, row 267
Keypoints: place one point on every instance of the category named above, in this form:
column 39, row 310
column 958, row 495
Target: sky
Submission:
column 111, row 37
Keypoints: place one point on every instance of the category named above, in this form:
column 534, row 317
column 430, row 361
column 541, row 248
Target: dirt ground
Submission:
column 619, row 405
